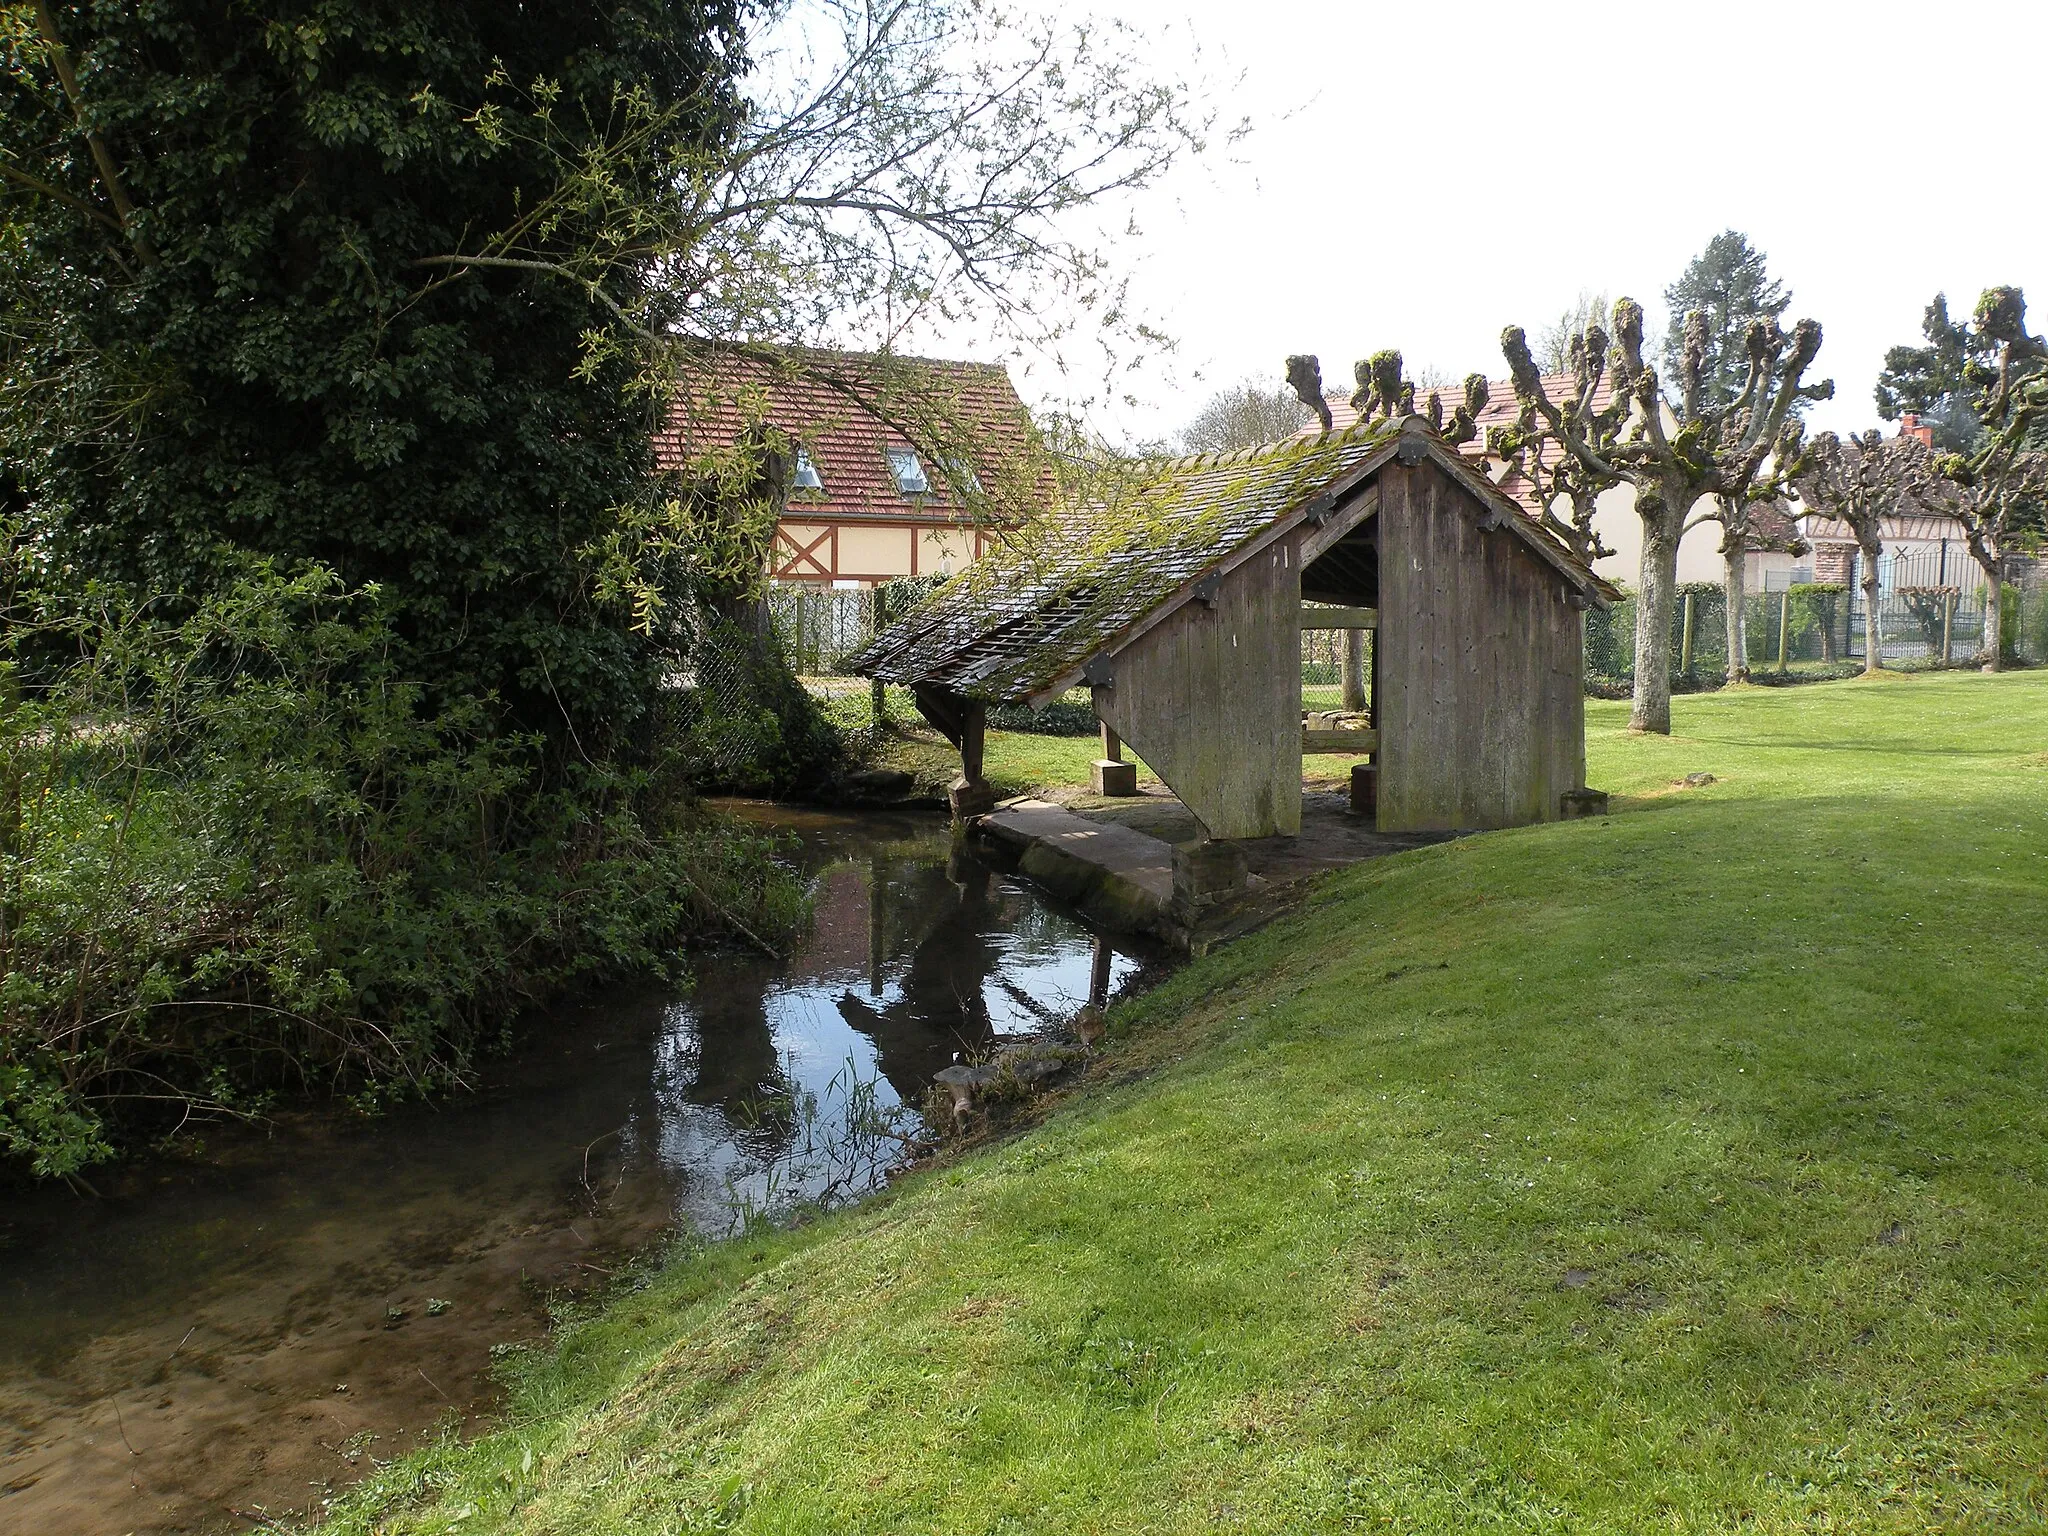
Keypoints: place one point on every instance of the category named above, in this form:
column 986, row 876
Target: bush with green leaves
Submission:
column 243, row 853
column 224, row 328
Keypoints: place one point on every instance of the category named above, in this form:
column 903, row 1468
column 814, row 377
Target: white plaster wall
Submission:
column 1699, row 553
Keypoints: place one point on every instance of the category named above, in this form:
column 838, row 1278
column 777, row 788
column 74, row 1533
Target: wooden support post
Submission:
column 1109, row 774
column 1353, row 696
column 970, row 794
column 1948, row 623
column 1685, row 644
column 973, row 738
column 1365, row 790
column 962, row 722
column 1784, row 627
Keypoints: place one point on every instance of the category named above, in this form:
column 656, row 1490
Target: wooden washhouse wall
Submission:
column 1210, row 698
column 1480, row 665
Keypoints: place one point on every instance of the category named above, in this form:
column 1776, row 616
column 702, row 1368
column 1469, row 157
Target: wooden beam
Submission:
column 1349, row 516
column 1339, row 741
column 1339, row 618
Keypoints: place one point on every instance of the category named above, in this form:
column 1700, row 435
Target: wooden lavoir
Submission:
column 1182, row 614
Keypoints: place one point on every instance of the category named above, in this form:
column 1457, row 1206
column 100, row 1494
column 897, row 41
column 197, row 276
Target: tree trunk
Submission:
column 1873, row 620
column 1994, row 617
column 1657, row 580
column 1354, row 669
column 1736, row 599
column 1872, row 551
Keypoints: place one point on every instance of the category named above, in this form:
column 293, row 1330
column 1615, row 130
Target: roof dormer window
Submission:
column 962, row 474
column 806, row 477
column 908, row 472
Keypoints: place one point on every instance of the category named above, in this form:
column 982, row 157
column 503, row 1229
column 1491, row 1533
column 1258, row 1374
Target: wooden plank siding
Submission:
column 1210, row 698
column 1478, row 667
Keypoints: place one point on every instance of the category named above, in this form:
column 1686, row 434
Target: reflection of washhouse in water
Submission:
column 986, row 961
column 758, row 1076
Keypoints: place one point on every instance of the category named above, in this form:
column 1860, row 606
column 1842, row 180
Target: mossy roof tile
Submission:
column 1064, row 585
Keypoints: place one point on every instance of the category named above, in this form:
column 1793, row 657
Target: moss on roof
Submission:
column 1063, row 586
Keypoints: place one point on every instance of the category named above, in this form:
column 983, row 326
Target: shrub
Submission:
column 1071, row 714
column 241, row 854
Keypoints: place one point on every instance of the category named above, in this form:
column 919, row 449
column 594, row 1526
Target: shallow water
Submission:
column 242, row 1331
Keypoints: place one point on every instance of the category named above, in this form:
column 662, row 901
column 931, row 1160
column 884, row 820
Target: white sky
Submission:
column 1421, row 175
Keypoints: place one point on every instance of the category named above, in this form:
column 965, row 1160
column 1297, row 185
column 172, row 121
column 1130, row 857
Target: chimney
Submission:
column 1909, row 426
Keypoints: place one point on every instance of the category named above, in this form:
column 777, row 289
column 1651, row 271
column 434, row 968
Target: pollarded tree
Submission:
column 1860, row 482
column 1999, row 492
column 2013, row 404
column 1674, row 451
column 1999, row 507
column 1554, row 341
column 1555, row 474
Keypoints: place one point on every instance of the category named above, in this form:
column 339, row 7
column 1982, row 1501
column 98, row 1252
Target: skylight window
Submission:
column 806, row 477
column 962, row 474
column 908, row 473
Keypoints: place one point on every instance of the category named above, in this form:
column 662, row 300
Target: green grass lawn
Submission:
column 1681, row 1170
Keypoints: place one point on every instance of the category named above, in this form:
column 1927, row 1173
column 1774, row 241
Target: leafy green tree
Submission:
column 1936, row 381
column 1728, row 286
column 218, row 335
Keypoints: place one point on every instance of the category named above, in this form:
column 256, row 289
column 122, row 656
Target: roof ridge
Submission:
column 1298, row 443
column 726, row 349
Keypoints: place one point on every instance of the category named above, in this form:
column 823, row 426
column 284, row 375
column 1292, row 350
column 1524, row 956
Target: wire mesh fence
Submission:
column 1928, row 615
column 735, row 710
column 1932, row 611
column 1322, row 656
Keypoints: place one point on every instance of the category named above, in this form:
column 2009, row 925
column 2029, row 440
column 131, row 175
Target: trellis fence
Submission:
column 820, row 627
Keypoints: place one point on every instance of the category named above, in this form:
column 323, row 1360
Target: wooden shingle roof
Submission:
column 1023, row 622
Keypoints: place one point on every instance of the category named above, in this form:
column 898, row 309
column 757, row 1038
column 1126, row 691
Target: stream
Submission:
column 233, row 1334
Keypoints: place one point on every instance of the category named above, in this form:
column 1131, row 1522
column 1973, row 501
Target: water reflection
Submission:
column 251, row 1327
column 766, row 1075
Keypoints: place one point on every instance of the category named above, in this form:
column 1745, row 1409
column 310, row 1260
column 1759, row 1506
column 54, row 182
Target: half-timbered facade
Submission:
column 869, row 499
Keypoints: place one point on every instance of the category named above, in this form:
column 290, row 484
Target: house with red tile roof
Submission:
column 900, row 466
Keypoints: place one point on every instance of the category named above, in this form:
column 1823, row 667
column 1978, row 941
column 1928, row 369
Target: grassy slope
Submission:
column 1680, row 1170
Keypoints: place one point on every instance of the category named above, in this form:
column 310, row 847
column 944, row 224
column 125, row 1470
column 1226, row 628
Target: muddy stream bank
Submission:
column 241, row 1330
